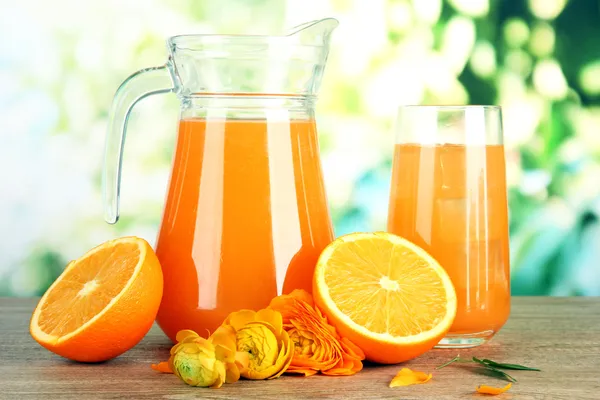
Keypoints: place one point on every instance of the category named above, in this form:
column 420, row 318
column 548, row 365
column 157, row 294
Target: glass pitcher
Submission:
column 246, row 213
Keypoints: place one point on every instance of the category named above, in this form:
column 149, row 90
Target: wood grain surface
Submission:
column 559, row 335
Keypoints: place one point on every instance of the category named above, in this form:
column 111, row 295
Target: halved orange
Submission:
column 385, row 294
column 102, row 304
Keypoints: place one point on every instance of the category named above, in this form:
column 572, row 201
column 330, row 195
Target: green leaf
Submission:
column 489, row 367
column 448, row 363
column 508, row 366
column 490, row 371
column 495, row 370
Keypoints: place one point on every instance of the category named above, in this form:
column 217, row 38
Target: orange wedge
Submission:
column 102, row 304
column 385, row 294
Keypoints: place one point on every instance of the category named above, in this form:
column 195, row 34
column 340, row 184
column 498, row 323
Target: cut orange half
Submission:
column 385, row 294
column 102, row 304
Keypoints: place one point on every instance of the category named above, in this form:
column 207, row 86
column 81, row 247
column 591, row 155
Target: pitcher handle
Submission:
column 141, row 84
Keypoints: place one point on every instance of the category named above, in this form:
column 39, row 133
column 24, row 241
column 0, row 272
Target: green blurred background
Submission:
column 61, row 61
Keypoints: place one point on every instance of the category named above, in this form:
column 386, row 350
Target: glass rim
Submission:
column 452, row 107
column 196, row 42
column 193, row 41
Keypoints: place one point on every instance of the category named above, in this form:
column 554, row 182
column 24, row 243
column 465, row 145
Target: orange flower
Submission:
column 318, row 347
column 483, row 389
column 407, row 377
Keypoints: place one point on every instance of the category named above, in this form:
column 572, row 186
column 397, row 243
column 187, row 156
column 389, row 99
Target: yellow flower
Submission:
column 196, row 364
column 261, row 336
column 205, row 362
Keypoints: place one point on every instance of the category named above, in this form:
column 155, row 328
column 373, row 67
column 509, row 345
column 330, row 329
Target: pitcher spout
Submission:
column 314, row 33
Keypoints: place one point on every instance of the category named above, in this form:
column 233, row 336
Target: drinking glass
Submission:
column 448, row 195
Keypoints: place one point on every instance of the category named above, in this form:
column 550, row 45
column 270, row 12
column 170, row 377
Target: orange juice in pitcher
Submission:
column 246, row 214
column 263, row 181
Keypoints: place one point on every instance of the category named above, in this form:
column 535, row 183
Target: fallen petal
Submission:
column 407, row 377
column 162, row 367
column 484, row 389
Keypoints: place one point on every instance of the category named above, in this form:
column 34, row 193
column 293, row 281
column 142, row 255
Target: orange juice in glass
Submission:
column 448, row 195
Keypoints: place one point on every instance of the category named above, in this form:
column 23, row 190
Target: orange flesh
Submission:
column 401, row 297
column 86, row 290
column 451, row 201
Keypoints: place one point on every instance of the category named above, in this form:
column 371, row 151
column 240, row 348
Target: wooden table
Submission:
column 559, row 335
